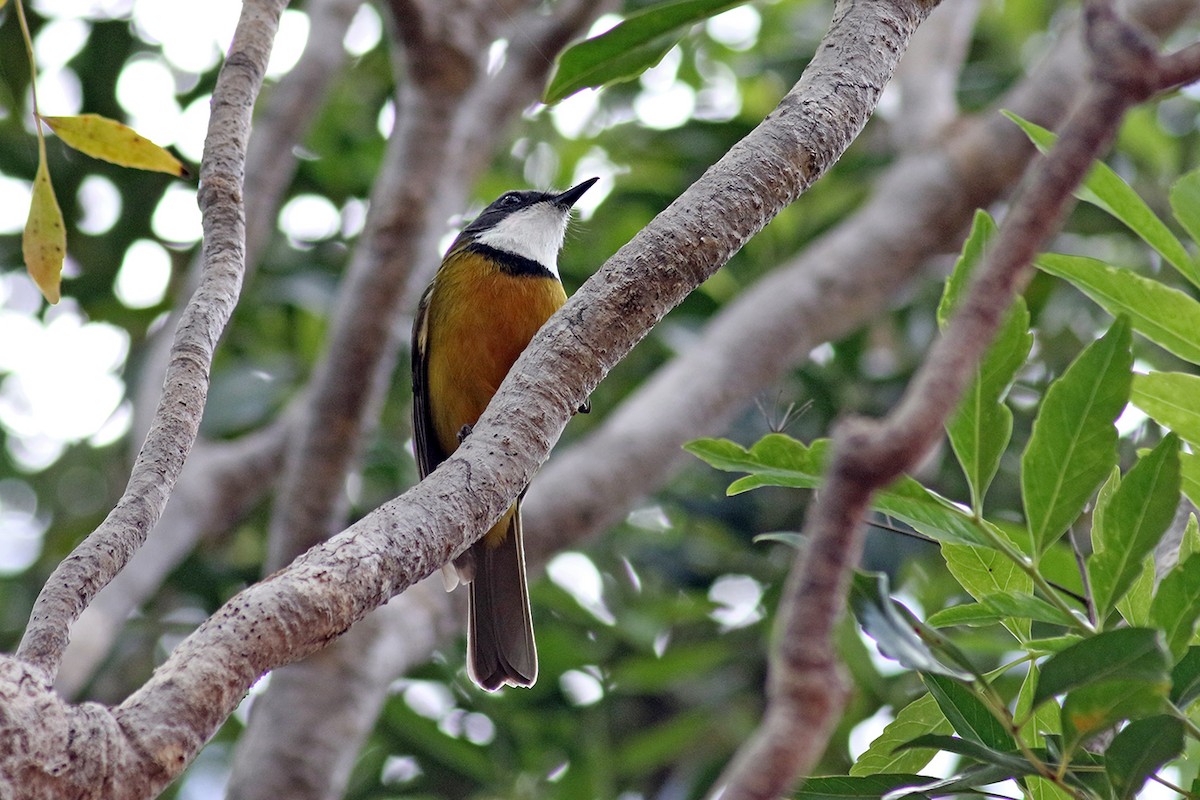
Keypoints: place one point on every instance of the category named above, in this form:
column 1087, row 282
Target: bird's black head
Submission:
column 529, row 224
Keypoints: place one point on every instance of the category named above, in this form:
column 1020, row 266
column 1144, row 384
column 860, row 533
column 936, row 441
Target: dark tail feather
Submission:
column 500, row 647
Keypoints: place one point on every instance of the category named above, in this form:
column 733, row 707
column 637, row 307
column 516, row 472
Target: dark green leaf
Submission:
column 1134, row 654
column 629, row 48
column 1172, row 399
column 1165, row 316
column 919, row 717
column 1013, row 765
column 1093, row 709
column 1074, row 442
column 1140, row 750
column 967, row 713
column 867, row 787
column 1185, row 679
column 880, row 617
column 1140, row 512
column 967, row 781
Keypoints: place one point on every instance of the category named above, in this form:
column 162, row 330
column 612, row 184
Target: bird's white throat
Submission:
column 535, row 233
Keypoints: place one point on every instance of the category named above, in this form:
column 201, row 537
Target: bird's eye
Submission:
column 509, row 200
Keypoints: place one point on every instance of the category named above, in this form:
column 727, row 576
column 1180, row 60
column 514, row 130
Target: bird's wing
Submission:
column 428, row 453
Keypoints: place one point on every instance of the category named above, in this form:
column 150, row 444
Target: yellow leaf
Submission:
column 45, row 240
column 2, row 2
column 109, row 140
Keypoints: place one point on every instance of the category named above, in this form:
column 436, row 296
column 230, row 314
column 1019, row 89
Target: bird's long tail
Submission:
column 500, row 646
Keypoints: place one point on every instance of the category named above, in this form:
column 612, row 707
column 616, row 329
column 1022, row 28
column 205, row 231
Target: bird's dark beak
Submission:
column 571, row 196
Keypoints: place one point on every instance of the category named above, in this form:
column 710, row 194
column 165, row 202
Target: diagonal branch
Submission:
column 176, row 423
column 806, row 688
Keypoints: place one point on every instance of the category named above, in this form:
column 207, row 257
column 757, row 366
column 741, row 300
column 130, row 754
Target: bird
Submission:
column 496, row 286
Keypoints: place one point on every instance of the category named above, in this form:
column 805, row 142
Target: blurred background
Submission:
column 652, row 634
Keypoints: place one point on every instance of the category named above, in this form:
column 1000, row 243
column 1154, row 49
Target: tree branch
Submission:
column 176, row 423
column 221, row 480
column 806, row 689
column 300, row 609
column 843, row 280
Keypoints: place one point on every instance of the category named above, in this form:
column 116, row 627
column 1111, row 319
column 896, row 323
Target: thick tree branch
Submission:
column 300, row 609
column 106, row 551
column 806, row 689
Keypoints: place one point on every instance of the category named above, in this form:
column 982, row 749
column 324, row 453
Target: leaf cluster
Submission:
column 1105, row 668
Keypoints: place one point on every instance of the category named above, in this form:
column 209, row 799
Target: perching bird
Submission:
column 496, row 286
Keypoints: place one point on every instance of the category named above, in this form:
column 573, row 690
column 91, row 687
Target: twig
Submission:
column 806, row 688
column 105, row 552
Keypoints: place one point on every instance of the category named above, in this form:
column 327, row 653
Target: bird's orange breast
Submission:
column 480, row 320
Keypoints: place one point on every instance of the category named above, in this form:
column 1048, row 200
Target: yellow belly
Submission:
column 480, row 320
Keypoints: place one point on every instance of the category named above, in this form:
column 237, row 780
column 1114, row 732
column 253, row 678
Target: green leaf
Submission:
column 970, row 614
column 1189, row 475
column 983, row 572
column 933, row 515
column 1185, row 202
column 996, row 607
column 1026, row 606
column 1042, row 789
column 1074, row 442
column 866, row 787
column 1172, row 399
column 1038, row 721
column 1135, row 605
column 774, row 460
column 981, row 426
column 1190, row 543
column 779, row 460
column 919, row 717
column 881, row 618
column 983, row 229
column 1141, row 510
column 1165, row 316
column 629, row 48
column 1107, row 190
column 970, row 717
column 967, row 781
column 1124, row 654
column 1185, row 679
column 1013, row 765
column 1140, row 750
column 1093, row 709
column 1176, row 605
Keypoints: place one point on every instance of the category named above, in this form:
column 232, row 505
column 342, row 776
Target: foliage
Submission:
column 1107, row 708
column 648, row 691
